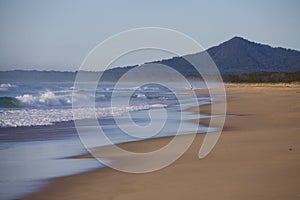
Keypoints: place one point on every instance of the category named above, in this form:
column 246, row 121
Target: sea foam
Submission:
column 47, row 98
column 6, row 86
column 37, row 117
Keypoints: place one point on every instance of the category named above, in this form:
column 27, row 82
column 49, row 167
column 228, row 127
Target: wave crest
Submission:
column 6, row 86
column 9, row 102
column 47, row 98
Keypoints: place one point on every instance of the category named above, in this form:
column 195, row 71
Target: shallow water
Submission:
column 38, row 134
column 28, row 162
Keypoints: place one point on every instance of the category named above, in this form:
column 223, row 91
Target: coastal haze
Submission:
column 57, row 35
column 73, row 128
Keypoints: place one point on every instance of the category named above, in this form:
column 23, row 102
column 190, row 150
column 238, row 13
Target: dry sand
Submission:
column 257, row 157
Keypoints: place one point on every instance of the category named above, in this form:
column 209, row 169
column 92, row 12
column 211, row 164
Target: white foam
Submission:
column 37, row 117
column 47, row 98
column 6, row 86
column 157, row 105
column 150, row 88
column 141, row 96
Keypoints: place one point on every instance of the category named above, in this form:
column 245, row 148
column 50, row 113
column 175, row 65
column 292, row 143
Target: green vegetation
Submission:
column 263, row 77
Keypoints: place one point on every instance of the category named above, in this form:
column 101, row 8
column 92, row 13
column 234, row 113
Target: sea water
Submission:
column 38, row 135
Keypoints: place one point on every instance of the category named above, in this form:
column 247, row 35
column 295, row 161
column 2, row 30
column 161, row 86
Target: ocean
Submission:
column 37, row 131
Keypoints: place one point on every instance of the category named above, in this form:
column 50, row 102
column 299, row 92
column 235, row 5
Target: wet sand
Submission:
column 256, row 157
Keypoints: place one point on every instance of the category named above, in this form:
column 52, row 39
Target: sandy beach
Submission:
column 256, row 157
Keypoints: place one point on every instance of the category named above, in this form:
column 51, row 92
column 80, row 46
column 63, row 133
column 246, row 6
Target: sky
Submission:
column 58, row 34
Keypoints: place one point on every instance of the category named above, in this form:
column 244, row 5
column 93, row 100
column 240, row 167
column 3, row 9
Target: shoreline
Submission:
column 257, row 157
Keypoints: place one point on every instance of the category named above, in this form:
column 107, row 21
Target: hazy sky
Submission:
column 58, row 34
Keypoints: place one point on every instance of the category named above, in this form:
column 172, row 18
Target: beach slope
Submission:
column 257, row 157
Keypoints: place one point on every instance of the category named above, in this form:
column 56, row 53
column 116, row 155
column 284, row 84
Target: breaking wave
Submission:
column 47, row 107
column 9, row 102
column 6, row 86
column 47, row 98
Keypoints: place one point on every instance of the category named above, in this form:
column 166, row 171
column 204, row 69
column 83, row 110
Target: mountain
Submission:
column 238, row 56
column 233, row 57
